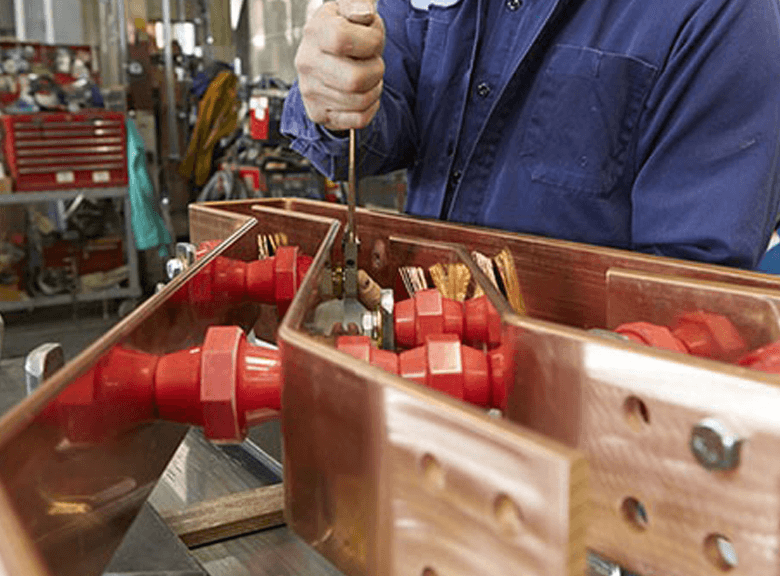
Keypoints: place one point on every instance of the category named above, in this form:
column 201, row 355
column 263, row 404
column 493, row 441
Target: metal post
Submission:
column 180, row 9
column 20, row 20
column 48, row 16
column 208, row 50
column 173, row 133
column 121, row 20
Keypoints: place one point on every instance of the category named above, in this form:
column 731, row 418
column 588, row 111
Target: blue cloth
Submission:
column 651, row 125
column 148, row 226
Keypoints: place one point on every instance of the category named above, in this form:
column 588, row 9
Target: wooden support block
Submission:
column 229, row 516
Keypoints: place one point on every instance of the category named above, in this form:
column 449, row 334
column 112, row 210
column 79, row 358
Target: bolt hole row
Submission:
column 718, row 549
column 506, row 512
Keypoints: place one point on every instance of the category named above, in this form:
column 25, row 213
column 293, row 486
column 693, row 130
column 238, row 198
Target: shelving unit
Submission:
column 133, row 290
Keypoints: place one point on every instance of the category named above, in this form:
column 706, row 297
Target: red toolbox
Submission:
column 58, row 151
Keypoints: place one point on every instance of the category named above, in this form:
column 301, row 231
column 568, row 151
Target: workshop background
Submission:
column 116, row 115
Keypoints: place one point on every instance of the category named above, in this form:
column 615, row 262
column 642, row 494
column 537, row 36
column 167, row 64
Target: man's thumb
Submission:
column 358, row 11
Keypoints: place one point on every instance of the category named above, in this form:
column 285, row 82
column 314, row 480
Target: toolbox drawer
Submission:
column 63, row 151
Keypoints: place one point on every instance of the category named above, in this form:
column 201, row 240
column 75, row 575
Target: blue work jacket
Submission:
column 650, row 125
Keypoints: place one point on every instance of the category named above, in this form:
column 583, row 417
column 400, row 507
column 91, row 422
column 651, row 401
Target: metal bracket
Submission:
column 41, row 364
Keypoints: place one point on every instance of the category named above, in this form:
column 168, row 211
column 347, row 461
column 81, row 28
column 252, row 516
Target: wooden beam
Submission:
column 229, row 516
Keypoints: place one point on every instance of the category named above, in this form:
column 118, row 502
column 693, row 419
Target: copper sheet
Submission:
column 75, row 501
column 386, row 477
column 580, row 390
column 563, row 282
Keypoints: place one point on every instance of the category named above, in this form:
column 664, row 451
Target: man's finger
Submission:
column 358, row 11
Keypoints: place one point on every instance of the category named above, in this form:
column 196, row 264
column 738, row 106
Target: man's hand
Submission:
column 340, row 64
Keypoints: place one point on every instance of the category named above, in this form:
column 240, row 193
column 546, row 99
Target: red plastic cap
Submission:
column 710, row 336
column 426, row 314
column 219, row 378
column 445, row 364
column 765, row 359
column 429, row 314
column 481, row 322
column 404, row 323
column 651, row 335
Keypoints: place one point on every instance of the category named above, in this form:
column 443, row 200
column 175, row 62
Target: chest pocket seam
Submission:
column 584, row 111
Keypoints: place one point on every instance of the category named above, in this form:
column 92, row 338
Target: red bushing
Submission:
column 126, row 384
column 177, row 387
column 225, row 386
column 240, row 384
column 286, row 277
column 259, row 384
column 229, row 279
column 709, row 336
column 360, row 347
column 261, row 280
column 444, row 364
column 76, row 413
column 272, row 280
column 501, row 376
column 765, row 359
column 481, row 322
column 218, row 379
column 425, row 314
column 651, row 335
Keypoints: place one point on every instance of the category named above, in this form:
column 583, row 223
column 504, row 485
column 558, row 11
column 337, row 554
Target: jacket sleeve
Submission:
column 390, row 141
column 707, row 184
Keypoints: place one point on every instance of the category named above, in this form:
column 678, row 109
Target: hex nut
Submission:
column 714, row 446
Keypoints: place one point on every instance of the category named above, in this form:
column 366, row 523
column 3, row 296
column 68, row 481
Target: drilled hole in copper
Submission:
column 635, row 513
column 508, row 516
column 720, row 552
column 636, row 412
column 432, row 472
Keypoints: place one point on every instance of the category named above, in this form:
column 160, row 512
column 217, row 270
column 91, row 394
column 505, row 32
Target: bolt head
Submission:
column 714, row 446
column 173, row 268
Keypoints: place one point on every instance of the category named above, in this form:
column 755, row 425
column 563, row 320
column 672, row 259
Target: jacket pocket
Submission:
column 584, row 109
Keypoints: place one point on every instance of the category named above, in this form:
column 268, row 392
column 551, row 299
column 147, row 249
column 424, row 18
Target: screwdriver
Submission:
column 351, row 240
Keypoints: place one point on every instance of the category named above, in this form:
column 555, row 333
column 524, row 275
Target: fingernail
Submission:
column 359, row 11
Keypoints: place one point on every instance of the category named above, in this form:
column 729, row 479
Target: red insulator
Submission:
column 765, row 359
column 225, row 385
column 429, row 313
column 272, row 280
column 710, row 336
column 442, row 363
column 651, row 335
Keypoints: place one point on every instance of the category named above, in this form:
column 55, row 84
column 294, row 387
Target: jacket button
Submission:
column 513, row 4
column 455, row 178
column 483, row 90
